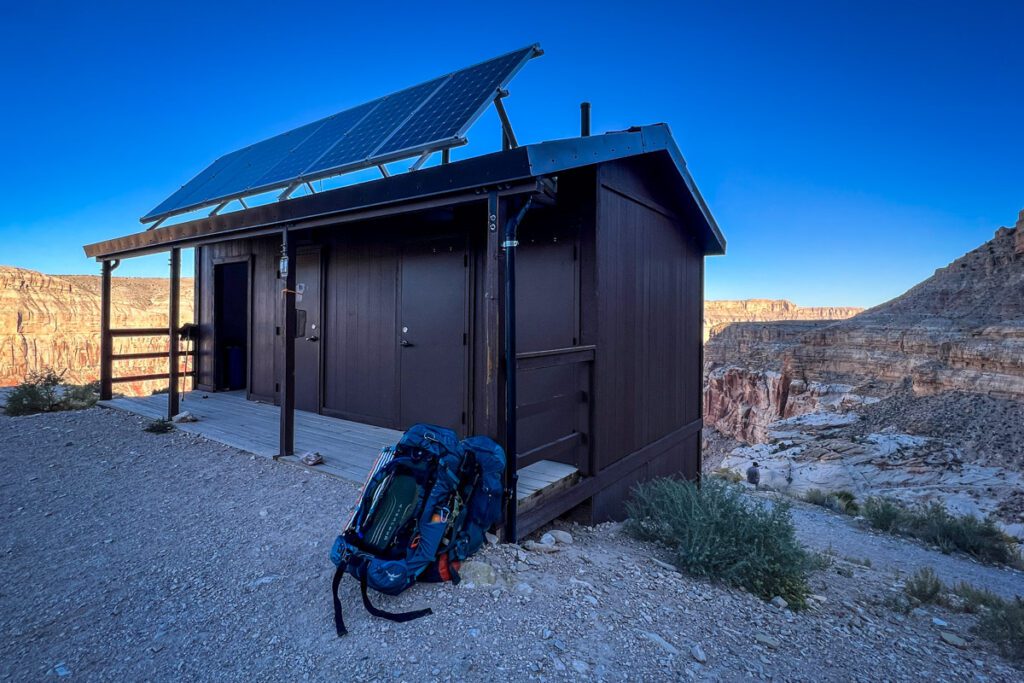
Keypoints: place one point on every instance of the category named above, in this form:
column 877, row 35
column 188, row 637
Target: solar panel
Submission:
column 427, row 117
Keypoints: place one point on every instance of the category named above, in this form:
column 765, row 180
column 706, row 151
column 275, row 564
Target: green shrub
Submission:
column 816, row 497
column 975, row 598
column 845, row 502
column 925, row 586
column 883, row 514
column 46, row 392
column 932, row 523
column 159, row 426
column 717, row 532
column 1004, row 626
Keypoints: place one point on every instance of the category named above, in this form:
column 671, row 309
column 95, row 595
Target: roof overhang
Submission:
column 514, row 170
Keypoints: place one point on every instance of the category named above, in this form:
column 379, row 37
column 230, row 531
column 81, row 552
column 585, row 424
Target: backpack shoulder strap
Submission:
column 339, row 621
column 391, row 616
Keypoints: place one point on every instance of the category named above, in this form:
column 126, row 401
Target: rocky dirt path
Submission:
column 131, row 556
column 830, row 532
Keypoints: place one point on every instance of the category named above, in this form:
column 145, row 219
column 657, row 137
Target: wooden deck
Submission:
column 349, row 449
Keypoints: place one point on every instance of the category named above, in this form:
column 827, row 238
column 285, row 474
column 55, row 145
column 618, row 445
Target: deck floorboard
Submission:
column 349, row 449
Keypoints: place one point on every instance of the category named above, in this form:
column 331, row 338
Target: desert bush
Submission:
column 924, row 586
column 731, row 476
column 882, row 513
column 47, row 392
column 159, row 426
column 1004, row 626
column 716, row 532
column 975, row 598
column 842, row 502
column 932, row 523
column 816, row 497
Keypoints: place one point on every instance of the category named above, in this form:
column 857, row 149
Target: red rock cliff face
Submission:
column 961, row 329
column 53, row 321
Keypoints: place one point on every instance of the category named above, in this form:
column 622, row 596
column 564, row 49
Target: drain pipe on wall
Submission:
column 509, row 244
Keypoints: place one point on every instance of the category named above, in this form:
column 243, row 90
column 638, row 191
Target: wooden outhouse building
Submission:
column 548, row 295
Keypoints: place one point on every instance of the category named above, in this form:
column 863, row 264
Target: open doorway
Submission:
column 231, row 325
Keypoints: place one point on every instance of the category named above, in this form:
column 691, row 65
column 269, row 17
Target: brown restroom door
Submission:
column 307, row 329
column 433, row 334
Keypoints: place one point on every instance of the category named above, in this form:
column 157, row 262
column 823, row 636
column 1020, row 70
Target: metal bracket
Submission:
column 508, row 136
column 383, row 170
column 422, row 160
column 217, row 208
column 241, row 201
column 287, row 192
column 157, row 224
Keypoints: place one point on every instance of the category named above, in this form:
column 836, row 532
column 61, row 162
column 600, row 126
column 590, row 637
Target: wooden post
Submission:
column 287, row 428
column 173, row 406
column 106, row 341
column 493, row 424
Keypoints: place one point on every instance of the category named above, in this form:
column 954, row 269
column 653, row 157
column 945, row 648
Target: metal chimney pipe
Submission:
column 585, row 119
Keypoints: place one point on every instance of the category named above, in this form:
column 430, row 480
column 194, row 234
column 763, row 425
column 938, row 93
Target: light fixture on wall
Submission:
column 282, row 264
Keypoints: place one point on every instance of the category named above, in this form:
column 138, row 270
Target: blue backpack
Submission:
column 423, row 510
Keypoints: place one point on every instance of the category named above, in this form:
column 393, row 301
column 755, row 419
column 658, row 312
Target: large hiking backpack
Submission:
column 424, row 508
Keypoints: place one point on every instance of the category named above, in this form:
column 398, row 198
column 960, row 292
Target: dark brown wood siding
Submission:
column 360, row 330
column 647, row 365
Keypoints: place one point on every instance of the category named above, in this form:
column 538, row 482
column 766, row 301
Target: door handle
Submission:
column 313, row 338
column 406, row 342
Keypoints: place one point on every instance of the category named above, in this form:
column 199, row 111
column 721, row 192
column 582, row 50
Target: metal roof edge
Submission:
column 561, row 155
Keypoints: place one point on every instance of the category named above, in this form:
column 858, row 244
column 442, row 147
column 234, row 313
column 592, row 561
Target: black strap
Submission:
column 400, row 617
column 339, row 623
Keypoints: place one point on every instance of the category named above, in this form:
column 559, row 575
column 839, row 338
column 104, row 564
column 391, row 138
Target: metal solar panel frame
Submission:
column 423, row 150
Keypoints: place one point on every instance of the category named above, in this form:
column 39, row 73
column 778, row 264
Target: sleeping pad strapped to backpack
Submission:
column 425, row 508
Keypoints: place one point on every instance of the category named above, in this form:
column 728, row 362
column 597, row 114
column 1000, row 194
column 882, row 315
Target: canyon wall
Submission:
column 960, row 330
column 53, row 321
column 719, row 314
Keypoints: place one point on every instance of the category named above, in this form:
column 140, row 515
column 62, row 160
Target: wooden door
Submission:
column 307, row 329
column 433, row 334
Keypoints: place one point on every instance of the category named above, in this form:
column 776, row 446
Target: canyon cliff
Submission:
column 937, row 373
column 719, row 314
column 53, row 321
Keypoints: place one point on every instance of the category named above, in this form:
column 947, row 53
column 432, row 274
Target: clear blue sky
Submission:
column 847, row 148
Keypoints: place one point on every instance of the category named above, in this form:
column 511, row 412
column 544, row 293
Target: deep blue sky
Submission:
column 847, row 148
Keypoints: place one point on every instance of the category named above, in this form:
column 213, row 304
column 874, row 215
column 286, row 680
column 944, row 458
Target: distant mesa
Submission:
column 718, row 314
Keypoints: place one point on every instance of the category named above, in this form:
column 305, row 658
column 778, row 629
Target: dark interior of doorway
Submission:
column 231, row 316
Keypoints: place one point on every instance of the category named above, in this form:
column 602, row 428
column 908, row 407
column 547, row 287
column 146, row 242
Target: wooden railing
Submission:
column 146, row 332
column 569, row 396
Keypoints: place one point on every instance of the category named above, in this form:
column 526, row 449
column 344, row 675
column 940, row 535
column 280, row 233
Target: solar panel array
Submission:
column 427, row 117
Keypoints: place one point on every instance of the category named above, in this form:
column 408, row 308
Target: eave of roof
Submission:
column 490, row 170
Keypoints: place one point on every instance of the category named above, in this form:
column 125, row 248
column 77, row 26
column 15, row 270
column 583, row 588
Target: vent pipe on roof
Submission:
column 585, row 119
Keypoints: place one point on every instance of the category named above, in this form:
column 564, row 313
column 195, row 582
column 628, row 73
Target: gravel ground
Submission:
column 131, row 556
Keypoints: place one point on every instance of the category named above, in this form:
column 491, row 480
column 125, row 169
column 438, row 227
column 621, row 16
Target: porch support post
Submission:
column 495, row 406
column 106, row 341
column 173, row 406
column 492, row 424
column 287, row 428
